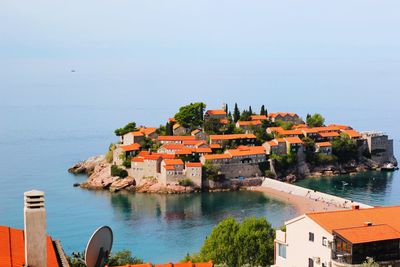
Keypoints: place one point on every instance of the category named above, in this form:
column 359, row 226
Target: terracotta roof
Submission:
column 196, row 131
column 246, row 151
column 143, row 153
column 310, row 130
column 283, row 114
column 169, row 167
column 365, row 234
column 272, row 142
column 217, row 156
column 12, row 248
column 258, row 117
column 223, row 121
column 293, row 140
column 327, row 129
column 137, row 133
column 184, row 151
column 248, row 123
column 193, row 164
column 232, row 136
column 172, row 146
column 352, row 133
column 291, row 132
column 176, row 137
column 275, row 129
column 216, row 112
column 176, row 126
column 280, row 140
column 171, row 120
column 323, row 144
column 300, row 126
column 137, row 159
column 164, row 156
column 203, row 150
column 329, row 134
column 194, row 142
column 215, row 146
column 173, row 162
column 132, row 147
column 147, row 130
column 341, row 127
column 355, row 218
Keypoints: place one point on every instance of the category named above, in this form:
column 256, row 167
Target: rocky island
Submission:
column 218, row 150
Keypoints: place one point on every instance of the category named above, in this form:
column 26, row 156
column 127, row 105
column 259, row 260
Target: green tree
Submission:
column 255, row 241
column 212, row 172
column 236, row 244
column 226, row 108
column 245, row 116
column 250, row 110
column 120, row 258
column 315, row 120
column 130, row 127
column 213, row 126
column 236, row 113
column 191, row 116
column 162, row 130
column 262, row 111
column 169, row 129
column 344, row 148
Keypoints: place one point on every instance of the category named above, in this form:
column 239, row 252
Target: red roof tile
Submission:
column 365, row 234
column 293, row 140
column 176, row 137
column 232, row 136
column 12, row 248
column 216, row 112
column 329, row 134
column 352, row 133
column 193, row 164
column 323, row 144
column 132, row 147
column 249, row 123
column 173, row 162
column 258, row 117
column 217, row 156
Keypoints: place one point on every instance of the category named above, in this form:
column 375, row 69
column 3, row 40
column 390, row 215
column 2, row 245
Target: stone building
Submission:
column 379, row 146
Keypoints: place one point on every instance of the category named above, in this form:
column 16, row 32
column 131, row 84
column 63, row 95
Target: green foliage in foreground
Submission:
column 117, row 171
column 369, row 262
column 236, row 244
column 119, row 258
column 130, row 127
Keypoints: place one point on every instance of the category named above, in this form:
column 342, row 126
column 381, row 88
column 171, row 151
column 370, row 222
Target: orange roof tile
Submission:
column 173, row 162
column 216, row 112
column 169, row 167
column 143, row 153
column 215, row 146
column 248, row 123
column 137, row 133
column 280, row 140
column 217, row 156
column 341, row 127
column 164, row 156
column 283, row 114
column 147, row 130
column 196, row 131
column 329, row 134
column 137, row 159
column 193, row 164
column 203, row 150
column 291, row 132
column 172, row 146
column 272, row 143
column 232, row 136
column 327, row 129
column 12, row 248
column 293, row 140
column 323, row 144
column 310, row 130
column 300, row 126
column 171, row 120
column 194, row 142
column 132, row 147
column 246, row 151
column 352, row 133
column 164, row 265
column 365, row 234
column 176, row 137
column 275, row 129
column 185, row 151
column 176, row 126
column 333, row 220
column 223, row 121
column 258, row 117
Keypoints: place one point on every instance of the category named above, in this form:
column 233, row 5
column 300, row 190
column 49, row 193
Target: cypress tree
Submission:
column 262, row 111
column 250, row 110
column 236, row 113
column 226, row 108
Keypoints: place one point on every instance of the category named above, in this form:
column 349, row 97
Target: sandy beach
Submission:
column 303, row 204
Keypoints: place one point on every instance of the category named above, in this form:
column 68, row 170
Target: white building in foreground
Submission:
column 340, row 238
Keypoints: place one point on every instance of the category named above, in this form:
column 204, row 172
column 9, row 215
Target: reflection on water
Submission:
column 374, row 188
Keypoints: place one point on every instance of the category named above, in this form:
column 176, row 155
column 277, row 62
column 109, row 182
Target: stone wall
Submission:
column 244, row 170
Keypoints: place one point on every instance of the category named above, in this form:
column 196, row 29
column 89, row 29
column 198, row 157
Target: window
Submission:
column 324, row 241
column 311, row 237
column 282, row 251
column 310, row 262
column 323, row 264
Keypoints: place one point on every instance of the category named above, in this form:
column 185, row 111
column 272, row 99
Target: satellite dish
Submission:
column 99, row 247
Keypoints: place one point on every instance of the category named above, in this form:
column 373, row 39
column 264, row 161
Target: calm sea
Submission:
column 39, row 143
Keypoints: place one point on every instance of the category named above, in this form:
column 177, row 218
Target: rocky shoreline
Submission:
column 99, row 175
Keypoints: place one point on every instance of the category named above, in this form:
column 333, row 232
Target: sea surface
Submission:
column 39, row 143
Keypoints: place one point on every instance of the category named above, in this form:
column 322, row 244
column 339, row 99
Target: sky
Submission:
column 156, row 55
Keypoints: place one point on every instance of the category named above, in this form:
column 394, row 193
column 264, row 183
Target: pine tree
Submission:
column 266, row 112
column 262, row 111
column 236, row 113
column 250, row 110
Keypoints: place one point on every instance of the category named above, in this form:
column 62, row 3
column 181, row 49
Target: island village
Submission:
column 219, row 149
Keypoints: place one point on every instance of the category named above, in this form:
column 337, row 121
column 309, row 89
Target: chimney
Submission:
column 367, row 223
column 35, row 229
column 355, row 207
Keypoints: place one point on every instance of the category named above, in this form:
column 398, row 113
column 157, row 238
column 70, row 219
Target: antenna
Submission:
column 98, row 247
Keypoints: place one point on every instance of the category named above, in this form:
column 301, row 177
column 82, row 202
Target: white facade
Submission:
column 304, row 242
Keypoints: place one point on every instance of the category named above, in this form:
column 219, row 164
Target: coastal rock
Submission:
column 87, row 166
column 120, row 184
column 100, row 178
column 151, row 186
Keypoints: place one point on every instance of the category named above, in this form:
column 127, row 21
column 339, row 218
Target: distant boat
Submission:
column 388, row 167
column 344, row 183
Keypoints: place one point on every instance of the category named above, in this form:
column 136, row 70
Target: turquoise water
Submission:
column 39, row 143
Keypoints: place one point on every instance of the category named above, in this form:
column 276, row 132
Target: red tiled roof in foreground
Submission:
column 12, row 248
column 338, row 221
column 186, row 264
column 365, row 234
